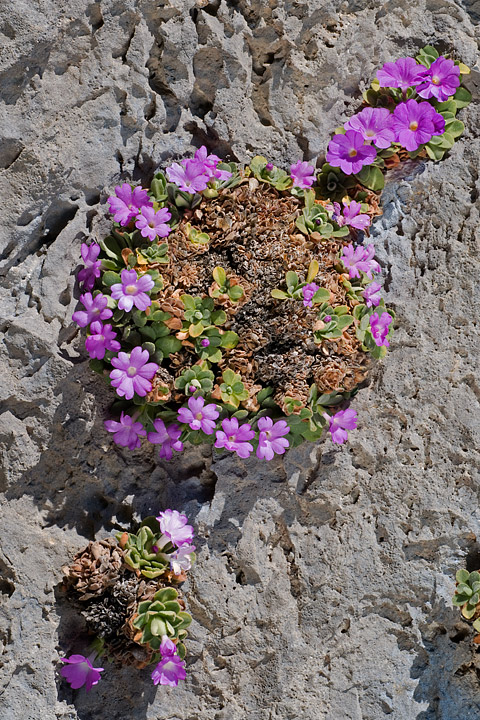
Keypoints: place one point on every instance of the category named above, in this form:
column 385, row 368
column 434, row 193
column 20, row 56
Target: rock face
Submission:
column 323, row 583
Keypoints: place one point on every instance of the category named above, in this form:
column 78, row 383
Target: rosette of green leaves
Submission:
column 294, row 286
column 199, row 377
column 200, row 314
column 232, row 389
column 333, row 329
column 363, row 332
column 155, row 253
column 195, row 236
column 333, row 184
column 315, row 218
column 155, row 336
column 276, row 177
column 234, row 292
column 467, row 593
column 218, row 340
column 162, row 616
column 139, row 553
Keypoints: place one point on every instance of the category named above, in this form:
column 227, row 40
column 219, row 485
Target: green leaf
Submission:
column 220, row 276
column 110, row 246
column 168, row 345
column 326, row 229
column 292, row 279
column 341, row 232
column 462, row 97
column 229, row 340
column 97, row 366
column 371, row 177
column 110, row 278
column 476, row 625
column 474, row 576
column 235, row 292
column 454, row 127
column 313, row 269
column 188, row 301
column 464, row 589
column 166, row 594
column 195, row 330
column 322, row 295
column 279, row 294
column 228, row 376
column 462, row 576
column 257, row 164
column 219, row 317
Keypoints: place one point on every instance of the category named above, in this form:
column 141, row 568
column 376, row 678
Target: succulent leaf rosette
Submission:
column 241, row 305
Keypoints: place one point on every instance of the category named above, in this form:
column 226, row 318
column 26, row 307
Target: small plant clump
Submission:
column 127, row 589
column 239, row 305
column 467, row 598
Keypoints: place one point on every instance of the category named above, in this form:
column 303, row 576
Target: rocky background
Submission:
column 323, row 584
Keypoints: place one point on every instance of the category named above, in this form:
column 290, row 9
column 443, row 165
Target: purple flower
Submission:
column 271, row 440
column 379, row 325
column 181, row 559
column 133, row 290
column 403, row 73
column 368, row 264
column 327, row 318
column 308, row 293
column 101, row 338
column 189, row 177
column 80, row 671
column 360, row 258
column 205, row 342
column 171, row 668
column 210, row 163
column 415, row 124
column 168, row 438
column 127, row 203
column 235, row 438
column 342, row 421
column 95, row 309
column 91, row 271
column 371, row 294
column 153, row 224
column 351, row 215
column 349, row 153
column 269, row 167
column 375, row 125
column 127, row 432
column 199, row 416
column 441, row 81
column 132, row 373
column 302, row 174
column 174, row 526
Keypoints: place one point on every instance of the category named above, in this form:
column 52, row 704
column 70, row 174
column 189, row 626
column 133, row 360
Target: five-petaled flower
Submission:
column 174, row 527
column 349, row 153
column 79, row 671
column 416, row 123
column 375, row 125
column 402, row 73
column 302, row 174
column 271, row 438
column 127, row 433
column 91, row 271
column 308, row 291
column 339, row 423
column 234, row 437
column 352, row 215
column 95, row 309
column 133, row 290
column 379, row 325
column 171, row 668
column 189, row 177
column 210, row 163
column 441, row 81
column 371, row 294
column 132, row 373
column 199, row 416
column 127, row 203
column 167, row 437
column 101, row 339
column 153, row 224
column 359, row 259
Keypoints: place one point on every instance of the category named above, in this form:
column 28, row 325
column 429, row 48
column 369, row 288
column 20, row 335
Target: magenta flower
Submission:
column 167, row 438
column 126, row 203
column 171, row 668
column 441, row 81
column 91, row 271
column 403, row 73
column 133, row 290
column 351, row 215
column 271, row 440
column 210, row 163
column 302, row 174
column 174, row 526
column 153, row 224
column 379, row 325
column 101, row 339
column 235, row 438
column 375, row 125
column 189, row 177
column 349, row 153
column 199, row 416
column 368, row 264
column 181, row 559
column 80, row 671
column 371, row 294
column 132, row 373
column 342, row 421
column 95, row 309
column 308, row 292
column 359, row 259
column 415, row 124
column 126, row 432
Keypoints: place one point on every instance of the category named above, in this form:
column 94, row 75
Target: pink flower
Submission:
column 126, row 432
column 132, row 373
column 101, row 339
column 127, row 203
column 153, row 224
column 190, row 177
column 199, row 416
column 235, row 438
column 375, row 125
column 95, row 309
column 133, row 290
column 379, row 325
column 371, row 294
column 359, row 259
column 181, row 559
column 210, row 163
column 415, row 124
column 271, row 440
column 402, row 73
column 308, row 291
column 349, row 153
column 80, row 671
column 171, row 668
column 167, row 438
column 441, row 80
column 351, row 215
column 302, row 174
column 174, row 526
column 342, row 421
column 91, row 271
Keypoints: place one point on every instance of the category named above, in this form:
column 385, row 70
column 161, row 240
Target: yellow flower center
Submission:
column 131, row 289
column 198, row 416
column 413, row 126
column 352, row 152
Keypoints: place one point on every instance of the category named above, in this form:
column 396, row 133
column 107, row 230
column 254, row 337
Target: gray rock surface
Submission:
column 323, row 584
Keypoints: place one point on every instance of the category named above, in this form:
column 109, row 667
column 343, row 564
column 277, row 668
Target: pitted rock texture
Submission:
column 323, row 583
